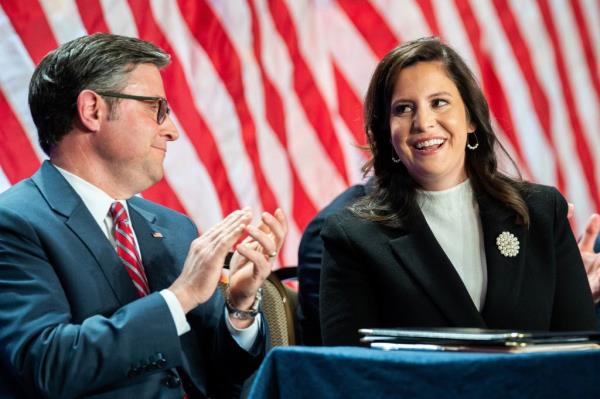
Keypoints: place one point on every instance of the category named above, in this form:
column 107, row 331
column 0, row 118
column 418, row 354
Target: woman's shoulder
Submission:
column 543, row 202
column 539, row 194
column 345, row 218
column 348, row 216
column 348, row 223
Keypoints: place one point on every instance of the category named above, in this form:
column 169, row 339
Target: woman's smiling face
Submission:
column 429, row 126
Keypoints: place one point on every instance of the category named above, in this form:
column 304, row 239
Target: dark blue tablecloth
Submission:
column 304, row 372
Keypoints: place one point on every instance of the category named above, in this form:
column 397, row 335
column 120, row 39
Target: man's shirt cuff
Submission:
column 177, row 312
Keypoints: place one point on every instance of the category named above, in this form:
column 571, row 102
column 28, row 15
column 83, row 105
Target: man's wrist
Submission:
column 186, row 301
column 246, row 313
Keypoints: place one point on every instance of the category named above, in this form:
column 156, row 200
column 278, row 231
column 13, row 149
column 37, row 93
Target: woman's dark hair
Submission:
column 393, row 197
column 98, row 62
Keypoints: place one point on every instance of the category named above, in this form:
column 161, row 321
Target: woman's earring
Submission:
column 470, row 146
column 395, row 160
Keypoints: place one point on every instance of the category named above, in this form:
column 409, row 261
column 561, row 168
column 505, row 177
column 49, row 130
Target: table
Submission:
column 345, row 372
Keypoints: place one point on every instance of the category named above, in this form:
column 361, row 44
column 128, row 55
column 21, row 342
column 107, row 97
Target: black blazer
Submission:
column 376, row 276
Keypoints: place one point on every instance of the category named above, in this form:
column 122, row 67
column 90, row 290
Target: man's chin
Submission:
column 149, row 180
column 156, row 177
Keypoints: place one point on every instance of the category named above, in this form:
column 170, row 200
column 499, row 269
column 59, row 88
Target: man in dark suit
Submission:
column 310, row 253
column 81, row 319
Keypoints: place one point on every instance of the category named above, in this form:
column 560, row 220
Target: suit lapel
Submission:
column 84, row 226
column 152, row 240
column 504, row 273
column 64, row 200
column 422, row 257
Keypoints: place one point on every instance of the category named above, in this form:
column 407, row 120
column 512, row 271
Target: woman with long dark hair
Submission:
column 445, row 239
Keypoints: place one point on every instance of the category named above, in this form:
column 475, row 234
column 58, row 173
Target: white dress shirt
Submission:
column 98, row 204
column 453, row 217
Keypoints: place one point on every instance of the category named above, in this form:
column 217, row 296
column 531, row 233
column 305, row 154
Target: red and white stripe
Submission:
column 267, row 94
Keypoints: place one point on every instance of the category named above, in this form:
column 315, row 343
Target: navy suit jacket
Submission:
column 71, row 322
column 376, row 276
column 310, row 253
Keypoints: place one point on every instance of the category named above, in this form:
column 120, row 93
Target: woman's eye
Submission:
column 438, row 102
column 401, row 109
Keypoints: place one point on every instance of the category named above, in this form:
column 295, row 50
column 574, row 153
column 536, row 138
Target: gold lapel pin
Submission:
column 508, row 244
column 157, row 234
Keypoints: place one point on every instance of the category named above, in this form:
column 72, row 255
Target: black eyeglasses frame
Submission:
column 163, row 104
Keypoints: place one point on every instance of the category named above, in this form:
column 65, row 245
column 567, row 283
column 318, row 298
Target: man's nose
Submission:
column 169, row 129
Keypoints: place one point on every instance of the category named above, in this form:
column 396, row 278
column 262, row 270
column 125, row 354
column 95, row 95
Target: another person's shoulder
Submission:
column 338, row 205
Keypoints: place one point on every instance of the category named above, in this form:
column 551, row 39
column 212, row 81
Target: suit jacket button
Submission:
column 172, row 381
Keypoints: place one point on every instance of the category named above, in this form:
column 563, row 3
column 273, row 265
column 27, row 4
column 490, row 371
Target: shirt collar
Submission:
column 97, row 201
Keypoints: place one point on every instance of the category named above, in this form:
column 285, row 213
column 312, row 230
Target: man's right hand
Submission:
column 202, row 268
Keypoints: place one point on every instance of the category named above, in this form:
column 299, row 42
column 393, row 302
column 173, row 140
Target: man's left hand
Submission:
column 252, row 260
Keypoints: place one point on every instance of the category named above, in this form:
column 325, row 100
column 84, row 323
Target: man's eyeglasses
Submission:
column 163, row 105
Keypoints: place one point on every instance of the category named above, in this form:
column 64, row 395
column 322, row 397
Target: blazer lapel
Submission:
column 152, row 240
column 504, row 274
column 64, row 200
column 422, row 257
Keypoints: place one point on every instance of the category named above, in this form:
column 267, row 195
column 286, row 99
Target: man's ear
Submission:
column 90, row 109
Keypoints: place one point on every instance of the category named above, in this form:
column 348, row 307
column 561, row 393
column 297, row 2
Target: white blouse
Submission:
column 453, row 217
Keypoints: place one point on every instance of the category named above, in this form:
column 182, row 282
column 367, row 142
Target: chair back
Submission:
column 279, row 310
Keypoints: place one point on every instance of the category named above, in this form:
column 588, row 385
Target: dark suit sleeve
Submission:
column 347, row 299
column 573, row 304
column 209, row 348
column 228, row 365
column 310, row 254
column 53, row 357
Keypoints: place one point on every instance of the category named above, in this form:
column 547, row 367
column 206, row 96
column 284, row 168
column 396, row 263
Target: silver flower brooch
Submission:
column 508, row 244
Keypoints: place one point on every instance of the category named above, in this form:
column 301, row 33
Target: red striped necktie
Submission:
column 126, row 248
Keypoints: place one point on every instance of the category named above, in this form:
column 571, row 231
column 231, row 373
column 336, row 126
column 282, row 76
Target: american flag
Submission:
column 267, row 94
